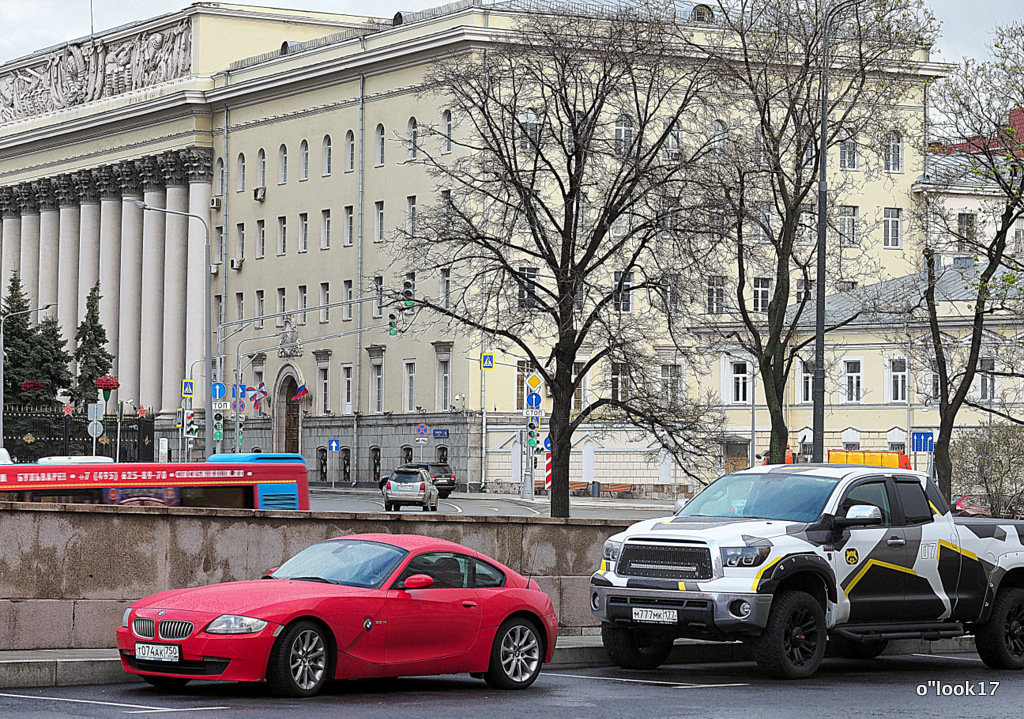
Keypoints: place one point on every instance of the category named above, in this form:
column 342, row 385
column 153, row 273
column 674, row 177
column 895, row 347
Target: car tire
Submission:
column 426, row 506
column 852, row 649
column 167, row 684
column 300, row 662
column 793, row 642
column 1000, row 640
column 389, row 507
column 632, row 650
column 516, row 655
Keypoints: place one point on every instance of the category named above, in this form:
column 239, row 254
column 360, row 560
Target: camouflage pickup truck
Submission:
column 792, row 558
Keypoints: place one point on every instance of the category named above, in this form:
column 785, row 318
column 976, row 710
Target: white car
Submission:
column 410, row 486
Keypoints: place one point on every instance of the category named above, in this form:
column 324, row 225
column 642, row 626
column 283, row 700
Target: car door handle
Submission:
column 896, row 541
column 468, row 604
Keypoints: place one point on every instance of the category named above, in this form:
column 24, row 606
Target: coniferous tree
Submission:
column 48, row 361
column 91, row 353
column 19, row 336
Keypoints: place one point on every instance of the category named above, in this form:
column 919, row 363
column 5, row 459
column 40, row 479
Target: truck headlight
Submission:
column 744, row 556
column 235, row 624
column 612, row 549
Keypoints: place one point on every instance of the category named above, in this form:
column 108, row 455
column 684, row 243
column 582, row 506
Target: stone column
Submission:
column 130, row 303
column 29, row 206
column 177, row 303
column 153, row 228
column 67, row 269
column 200, row 190
column 11, row 262
column 89, row 239
column 109, row 186
column 49, row 244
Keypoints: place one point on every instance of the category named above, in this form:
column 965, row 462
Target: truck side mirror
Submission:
column 860, row 515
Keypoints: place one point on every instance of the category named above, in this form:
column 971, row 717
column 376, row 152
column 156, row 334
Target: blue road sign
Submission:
column 334, row 445
column 421, row 430
column 187, row 389
column 239, row 391
column 179, row 416
column 487, row 360
column 533, row 400
column 547, row 443
column 922, row 442
column 441, row 433
column 218, row 390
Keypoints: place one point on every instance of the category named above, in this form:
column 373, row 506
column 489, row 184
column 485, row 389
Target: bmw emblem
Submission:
column 161, row 613
column 367, row 625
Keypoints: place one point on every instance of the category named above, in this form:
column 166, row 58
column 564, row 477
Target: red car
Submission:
column 371, row 605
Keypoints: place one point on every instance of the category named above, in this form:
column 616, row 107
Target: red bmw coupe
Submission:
column 371, row 605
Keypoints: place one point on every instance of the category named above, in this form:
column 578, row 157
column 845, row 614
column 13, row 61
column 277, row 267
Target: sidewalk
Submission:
column 70, row 667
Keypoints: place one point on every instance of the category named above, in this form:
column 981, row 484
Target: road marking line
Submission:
column 457, row 507
column 79, row 701
column 655, row 682
column 530, row 509
column 165, row 711
column 943, row 656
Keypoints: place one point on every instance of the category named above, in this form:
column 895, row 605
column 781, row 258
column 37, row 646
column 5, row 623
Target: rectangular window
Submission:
column 303, row 304
column 762, row 293
column 986, row 381
column 1018, row 237
column 716, row 295
column 851, row 446
column 671, row 294
column 240, row 240
column 303, row 232
column 893, row 154
column 623, row 295
column 282, row 306
column 261, row 238
column 806, row 381
column 898, row 379
column 848, row 154
column 349, row 230
column 378, row 388
column 846, row 285
column 848, row 224
column 446, row 288
column 218, row 245
column 239, row 305
column 378, row 292
column 764, row 231
column 854, row 380
column 325, row 229
column 260, row 310
column 325, row 390
column 347, row 296
column 410, row 215
column 444, row 385
column 378, row 221
column 892, row 222
column 807, row 227
column 671, row 384
column 527, row 287
column 620, row 382
column 218, row 306
column 282, row 235
column 578, row 393
column 524, row 368
column 346, row 389
column 805, row 290
column 740, row 382
column 966, row 230
column 410, row 386
column 325, row 299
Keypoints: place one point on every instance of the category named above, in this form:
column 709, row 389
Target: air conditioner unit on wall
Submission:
column 215, row 203
column 259, row 194
column 236, row 263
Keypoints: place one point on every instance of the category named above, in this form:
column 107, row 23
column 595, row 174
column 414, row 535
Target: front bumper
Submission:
column 700, row 614
column 225, row 657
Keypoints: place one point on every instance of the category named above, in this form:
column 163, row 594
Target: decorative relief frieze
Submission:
column 46, row 194
column 96, row 68
column 290, row 345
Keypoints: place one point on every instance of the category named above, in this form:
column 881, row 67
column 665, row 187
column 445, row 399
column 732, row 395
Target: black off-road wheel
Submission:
column 1000, row 641
column 630, row 649
column 852, row 649
column 516, row 655
column 300, row 662
column 167, row 684
column 793, row 643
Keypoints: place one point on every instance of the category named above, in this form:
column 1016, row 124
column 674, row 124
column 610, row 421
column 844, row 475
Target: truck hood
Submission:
column 738, row 530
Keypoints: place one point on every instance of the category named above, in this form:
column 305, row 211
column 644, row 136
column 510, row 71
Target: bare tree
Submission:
column 559, row 196
column 987, row 460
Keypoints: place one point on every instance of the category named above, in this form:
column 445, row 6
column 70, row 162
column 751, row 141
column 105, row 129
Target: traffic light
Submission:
column 392, row 323
column 218, row 426
column 191, row 426
column 532, row 434
column 408, row 292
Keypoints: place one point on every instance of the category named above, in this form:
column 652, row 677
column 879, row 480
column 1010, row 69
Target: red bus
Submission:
column 253, row 481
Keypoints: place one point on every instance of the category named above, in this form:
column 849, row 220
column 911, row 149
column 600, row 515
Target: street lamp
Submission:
column 2, row 320
column 208, row 323
column 818, row 387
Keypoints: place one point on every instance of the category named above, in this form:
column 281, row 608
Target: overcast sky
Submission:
column 31, row 25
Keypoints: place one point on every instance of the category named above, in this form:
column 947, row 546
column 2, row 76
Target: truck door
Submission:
column 928, row 536
column 871, row 562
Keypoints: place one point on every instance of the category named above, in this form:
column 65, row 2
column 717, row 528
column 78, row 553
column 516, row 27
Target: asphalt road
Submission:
column 495, row 505
column 891, row 686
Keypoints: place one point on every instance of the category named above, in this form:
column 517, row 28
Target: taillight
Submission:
column 423, row 486
column 389, row 486
column 432, row 478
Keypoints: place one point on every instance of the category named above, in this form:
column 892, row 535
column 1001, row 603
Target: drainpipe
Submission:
column 359, row 277
column 223, row 243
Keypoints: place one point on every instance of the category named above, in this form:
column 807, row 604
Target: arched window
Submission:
column 304, row 160
column 719, row 135
column 218, row 175
column 413, row 138
column 240, row 171
column 380, row 146
column 375, row 463
column 350, row 151
column 446, row 128
column 261, row 168
column 442, row 453
column 674, row 143
column 623, row 135
column 702, row 13
column 326, row 160
column 529, row 129
column 282, row 164
column 406, row 454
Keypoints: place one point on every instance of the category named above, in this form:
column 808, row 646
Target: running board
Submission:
column 871, row 632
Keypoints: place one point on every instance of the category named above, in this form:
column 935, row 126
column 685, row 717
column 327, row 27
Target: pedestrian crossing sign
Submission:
column 486, row 360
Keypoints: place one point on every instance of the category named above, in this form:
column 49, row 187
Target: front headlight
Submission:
column 235, row 624
column 124, row 619
column 612, row 549
column 744, row 556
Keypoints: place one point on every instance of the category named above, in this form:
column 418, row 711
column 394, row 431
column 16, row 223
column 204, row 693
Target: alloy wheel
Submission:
column 307, row 659
column 520, row 653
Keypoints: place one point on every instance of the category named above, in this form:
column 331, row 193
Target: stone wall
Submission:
column 67, row 572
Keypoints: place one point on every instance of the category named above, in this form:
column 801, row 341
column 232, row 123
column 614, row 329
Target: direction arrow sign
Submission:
column 922, row 442
column 218, row 390
column 239, row 391
column 334, row 445
column 533, row 400
column 547, row 443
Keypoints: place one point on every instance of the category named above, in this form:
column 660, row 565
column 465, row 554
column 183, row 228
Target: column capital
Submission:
column 172, row 168
column 27, row 201
column 65, row 188
column 108, row 182
column 9, row 202
column 128, row 178
column 46, row 194
column 149, row 173
column 199, row 162
column 88, row 188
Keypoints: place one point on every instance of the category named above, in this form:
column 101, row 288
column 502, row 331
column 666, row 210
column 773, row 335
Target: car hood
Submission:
column 717, row 529
column 249, row 597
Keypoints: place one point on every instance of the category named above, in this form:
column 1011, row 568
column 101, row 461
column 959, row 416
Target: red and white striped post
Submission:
column 547, row 471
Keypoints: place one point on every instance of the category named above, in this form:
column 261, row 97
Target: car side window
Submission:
column 448, row 570
column 870, row 493
column 486, row 576
column 914, row 502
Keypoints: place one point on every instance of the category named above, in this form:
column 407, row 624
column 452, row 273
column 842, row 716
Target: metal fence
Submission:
column 31, row 433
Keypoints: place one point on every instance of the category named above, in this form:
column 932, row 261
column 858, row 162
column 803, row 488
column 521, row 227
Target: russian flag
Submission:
column 300, row 394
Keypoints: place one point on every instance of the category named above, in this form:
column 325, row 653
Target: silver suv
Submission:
column 410, row 486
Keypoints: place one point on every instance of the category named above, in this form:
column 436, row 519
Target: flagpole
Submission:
column 92, row 25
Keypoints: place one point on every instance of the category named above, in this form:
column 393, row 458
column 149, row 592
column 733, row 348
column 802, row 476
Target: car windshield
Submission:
column 406, row 477
column 354, row 563
column 778, row 495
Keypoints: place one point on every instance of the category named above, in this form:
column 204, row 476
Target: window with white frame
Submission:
column 671, row 384
column 446, row 130
column 346, row 388
column 527, row 287
column 303, row 304
column 893, row 152
column 446, row 288
column 261, row 168
column 240, row 240
column 379, row 156
column 410, row 215
column 410, row 386
column 260, row 309
column 764, row 231
column 378, row 294
column 717, row 137
column 303, row 160
column 325, row 389
column 239, row 305
column 326, row 156
column 898, row 380
column 282, row 306
column 892, row 226
column 671, row 293
column 623, row 135
column 325, row 229
column 579, row 393
column 1018, row 238
column 348, row 297
column 378, row 387
column 806, row 381
column 739, row 376
column 966, row 230
column 261, row 238
column 846, row 285
column 986, row 380
column 282, row 165
column 303, row 232
column 444, row 385
column 325, row 299
column 807, row 225
column 529, row 130
column 623, row 295
column 620, row 382
column 716, row 294
column 218, row 245
column 524, row 368
column 849, row 220
column 804, row 290
column 349, row 230
column 412, row 139
column 282, row 235
column 762, row 293
column 240, row 173
column 218, row 177
column 218, row 305
column 853, row 380
column 848, row 154
column 378, row 221
column 350, row 151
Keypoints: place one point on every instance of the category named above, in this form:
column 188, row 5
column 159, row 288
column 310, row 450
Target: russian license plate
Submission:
column 158, row 652
column 655, row 616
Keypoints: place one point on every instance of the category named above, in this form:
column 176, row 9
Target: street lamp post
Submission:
column 208, row 322
column 818, row 387
column 2, row 321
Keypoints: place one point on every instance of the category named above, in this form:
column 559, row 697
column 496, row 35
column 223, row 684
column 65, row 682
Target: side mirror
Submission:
column 418, row 581
column 680, row 503
column 860, row 515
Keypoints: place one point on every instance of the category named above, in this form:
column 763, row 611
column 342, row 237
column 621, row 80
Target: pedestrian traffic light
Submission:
column 392, row 323
column 532, row 435
column 408, row 292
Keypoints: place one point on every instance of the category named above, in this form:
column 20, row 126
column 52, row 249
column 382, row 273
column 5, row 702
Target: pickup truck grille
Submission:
column 666, row 561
